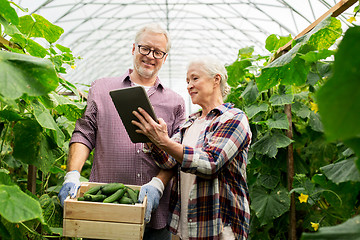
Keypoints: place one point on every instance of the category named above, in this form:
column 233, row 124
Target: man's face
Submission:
column 148, row 66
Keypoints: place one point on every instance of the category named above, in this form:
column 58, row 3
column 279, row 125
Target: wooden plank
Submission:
column 102, row 230
column 335, row 11
column 108, row 212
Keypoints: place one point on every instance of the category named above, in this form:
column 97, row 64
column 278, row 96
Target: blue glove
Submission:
column 154, row 191
column 70, row 186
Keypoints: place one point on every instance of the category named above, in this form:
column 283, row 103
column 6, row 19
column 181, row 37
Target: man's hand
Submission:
column 154, row 191
column 70, row 186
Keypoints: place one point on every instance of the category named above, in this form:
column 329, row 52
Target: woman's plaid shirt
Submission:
column 219, row 196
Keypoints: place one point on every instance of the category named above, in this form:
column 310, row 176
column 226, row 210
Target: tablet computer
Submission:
column 127, row 100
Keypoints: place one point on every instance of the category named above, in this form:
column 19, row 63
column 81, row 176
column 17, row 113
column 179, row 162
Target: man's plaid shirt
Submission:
column 219, row 196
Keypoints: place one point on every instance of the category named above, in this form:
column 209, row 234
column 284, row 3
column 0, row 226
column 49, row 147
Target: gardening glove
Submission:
column 154, row 191
column 70, row 186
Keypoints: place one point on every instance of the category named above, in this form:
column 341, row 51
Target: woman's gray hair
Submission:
column 213, row 66
column 155, row 28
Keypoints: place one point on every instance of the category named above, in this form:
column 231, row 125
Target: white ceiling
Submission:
column 101, row 32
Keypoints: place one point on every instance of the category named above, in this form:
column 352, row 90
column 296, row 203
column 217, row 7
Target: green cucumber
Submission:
column 115, row 196
column 81, row 199
column 98, row 198
column 94, row 198
column 126, row 200
column 93, row 190
column 110, row 188
column 132, row 194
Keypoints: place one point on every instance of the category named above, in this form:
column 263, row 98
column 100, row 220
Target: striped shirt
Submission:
column 116, row 158
column 219, row 197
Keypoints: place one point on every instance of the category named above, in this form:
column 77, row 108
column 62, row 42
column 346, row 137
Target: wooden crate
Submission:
column 103, row 220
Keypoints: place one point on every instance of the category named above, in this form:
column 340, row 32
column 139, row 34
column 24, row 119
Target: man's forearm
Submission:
column 78, row 153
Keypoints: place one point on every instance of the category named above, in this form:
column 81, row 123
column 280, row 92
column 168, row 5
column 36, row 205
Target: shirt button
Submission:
column 138, row 151
column 190, row 220
column 138, row 175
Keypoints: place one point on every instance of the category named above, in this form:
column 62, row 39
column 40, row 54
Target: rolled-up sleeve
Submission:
column 223, row 141
column 86, row 126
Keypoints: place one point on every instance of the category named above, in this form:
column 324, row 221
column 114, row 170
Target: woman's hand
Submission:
column 156, row 132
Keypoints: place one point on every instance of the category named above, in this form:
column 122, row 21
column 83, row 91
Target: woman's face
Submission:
column 200, row 86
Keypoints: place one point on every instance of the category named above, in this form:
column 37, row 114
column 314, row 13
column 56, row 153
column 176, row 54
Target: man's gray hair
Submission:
column 155, row 28
column 213, row 66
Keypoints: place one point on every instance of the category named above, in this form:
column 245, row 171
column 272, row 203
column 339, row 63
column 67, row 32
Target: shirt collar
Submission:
column 214, row 112
column 217, row 110
column 157, row 84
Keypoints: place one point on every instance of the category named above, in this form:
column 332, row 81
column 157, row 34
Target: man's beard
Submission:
column 144, row 72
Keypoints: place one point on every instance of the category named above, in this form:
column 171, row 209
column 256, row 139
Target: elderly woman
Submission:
column 209, row 152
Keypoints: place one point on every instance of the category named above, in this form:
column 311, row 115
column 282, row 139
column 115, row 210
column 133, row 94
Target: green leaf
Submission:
column 339, row 98
column 287, row 70
column 279, row 121
column 252, row 110
column 245, row 52
column 72, row 110
column 314, row 56
column 10, row 115
column 269, row 181
column 31, row 146
column 69, row 86
column 52, row 210
column 27, row 140
column 274, row 42
column 250, row 93
column 25, row 24
column 236, row 72
column 8, row 12
column 32, row 47
column 40, row 28
column 342, row 171
column 325, row 33
column 9, row 29
column 349, row 230
column 45, row 119
column 281, row 100
column 62, row 48
column 354, row 144
column 16, row 206
column 269, row 144
column 290, row 69
column 44, row 28
column 22, row 74
column 315, row 122
column 269, row 205
column 5, row 179
column 300, row 110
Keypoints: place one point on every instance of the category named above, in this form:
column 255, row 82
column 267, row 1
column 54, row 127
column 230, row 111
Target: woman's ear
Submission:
column 217, row 79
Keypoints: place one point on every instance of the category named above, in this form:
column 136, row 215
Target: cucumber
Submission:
column 94, row 198
column 132, row 194
column 81, row 199
column 126, row 200
column 98, row 198
column 93, row 190
column 115, row 196
column 110, row 188
column 87, row 197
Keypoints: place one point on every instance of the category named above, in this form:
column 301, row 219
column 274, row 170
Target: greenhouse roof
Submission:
column 102, row 32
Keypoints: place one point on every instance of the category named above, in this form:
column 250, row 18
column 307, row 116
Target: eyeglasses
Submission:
column 144, row 50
